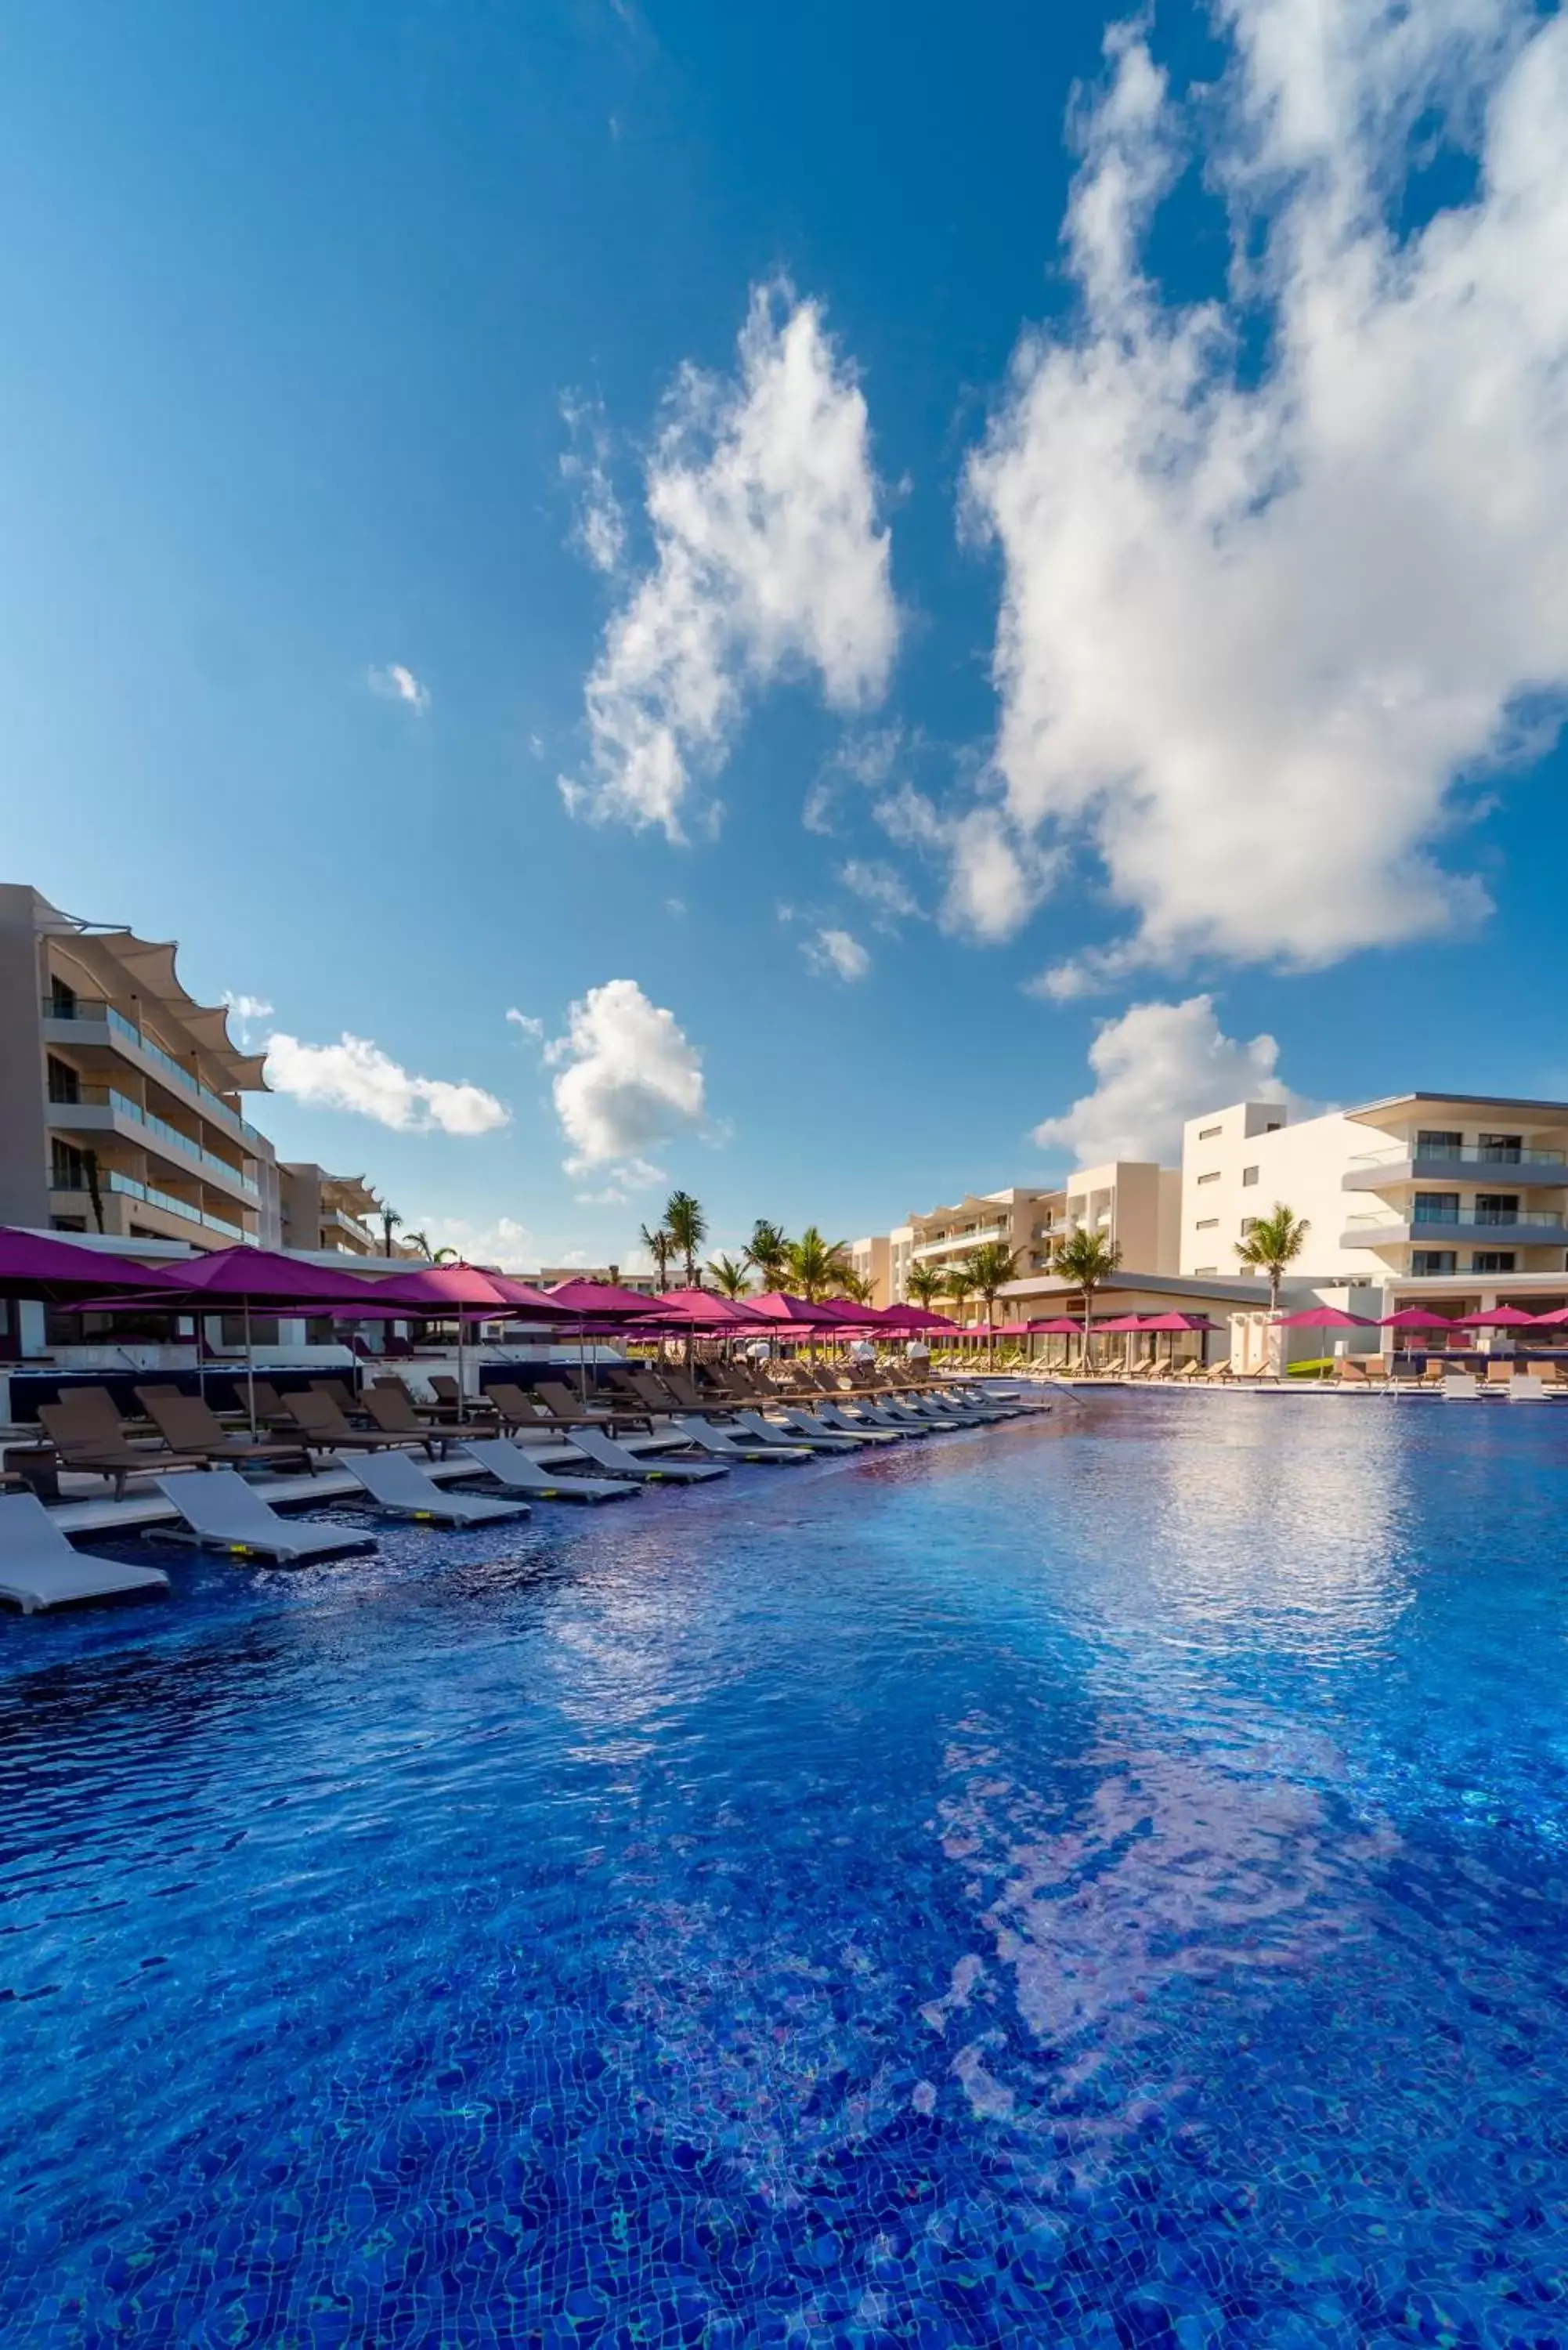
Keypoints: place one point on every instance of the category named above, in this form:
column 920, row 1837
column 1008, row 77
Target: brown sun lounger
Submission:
column 186, row 1423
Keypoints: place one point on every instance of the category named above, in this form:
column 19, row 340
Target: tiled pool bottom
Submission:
column 1101, row 1887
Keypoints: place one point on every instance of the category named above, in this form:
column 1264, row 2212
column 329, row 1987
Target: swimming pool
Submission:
column 1103, row 1885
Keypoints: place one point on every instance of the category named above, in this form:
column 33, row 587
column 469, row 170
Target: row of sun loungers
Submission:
column 649, row 1429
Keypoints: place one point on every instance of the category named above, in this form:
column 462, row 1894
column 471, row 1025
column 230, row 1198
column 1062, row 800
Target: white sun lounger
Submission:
column 1527, row 1387
column 1461, row 1386
column 869, row 1432
column 395, row 1483
column 222, row 1512
column 520, row 1472
column 796, row 1423
column 38, row 1567
column 723, row 1447
column 607, row 1454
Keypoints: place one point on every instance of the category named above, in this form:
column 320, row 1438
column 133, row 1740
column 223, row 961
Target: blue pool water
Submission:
column 1103, row 1885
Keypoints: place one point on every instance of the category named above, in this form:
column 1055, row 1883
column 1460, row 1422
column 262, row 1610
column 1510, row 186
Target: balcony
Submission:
column 88, row 1020
column 960, row 1243
column 1385, row 1170
column 99, row 1109
column 1521, row 1227
column 127, row 1186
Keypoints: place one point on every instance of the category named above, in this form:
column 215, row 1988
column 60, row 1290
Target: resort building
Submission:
column 1418, row 1188
column 323, row 1212
column 120, row 1094
column 1131, row 1202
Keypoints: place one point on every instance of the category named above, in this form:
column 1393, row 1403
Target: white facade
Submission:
column 1239, row 1163
column 1418, row 1188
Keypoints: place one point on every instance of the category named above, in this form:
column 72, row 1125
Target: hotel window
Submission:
column 1438, row 1143
column 1212, row 1175
column 1249, row 1175
column 1208, row 1133
column 1491, row 1261
column 1436, row 1208
column 1248, row 1224
column 1200, row 1270
column 1504, row 1148
column 1433, row 1260
column 1497, row 1207
column 1207, row 1224
column 1274, row 1125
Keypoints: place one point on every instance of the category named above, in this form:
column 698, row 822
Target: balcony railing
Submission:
column 123, row 1106
column 1493, row 1219
column 1469, row 1154
column 84, row 1007
column 111, row 1180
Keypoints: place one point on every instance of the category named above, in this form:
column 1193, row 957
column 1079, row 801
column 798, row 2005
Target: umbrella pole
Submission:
column 250, row 1372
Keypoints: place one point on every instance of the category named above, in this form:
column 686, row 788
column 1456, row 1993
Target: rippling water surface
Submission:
column 1101, row 1885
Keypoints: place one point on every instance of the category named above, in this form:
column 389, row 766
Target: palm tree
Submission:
column 1087, row 1259
column 660, row 1247
column 687, row 1229
column 991, row 1267
column 1273, row 1246
column 729, row 1278
column 858, row 1287
column 391, row 1220
column 957, row 1285
column 767, row 1253
column 446, row 1256
column 925, row 1284
column 816, row 1266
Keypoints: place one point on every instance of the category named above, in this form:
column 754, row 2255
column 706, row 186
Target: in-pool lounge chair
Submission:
column 617, row 1461
column 399, row 1485
column 221, row 1512
column 706, row 1435
column 520, row 1472
column 38, row 1567
column 1460, row 1387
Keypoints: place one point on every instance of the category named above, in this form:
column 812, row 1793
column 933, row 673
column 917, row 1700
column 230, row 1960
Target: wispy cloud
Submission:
column 599, row 529
column 356, row 1075
column 244, row 1010
column 396, row 683
column 834, row 955
column 769, row 555
column 526, row 1024
column 503, row 1242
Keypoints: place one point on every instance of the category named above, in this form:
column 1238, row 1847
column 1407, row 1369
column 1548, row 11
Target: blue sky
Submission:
column 1120, row 572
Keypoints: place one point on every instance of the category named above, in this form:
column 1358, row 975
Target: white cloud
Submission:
column 995, row 875
column 882, row 888
column 525, row 1022
column 866, row 758
column 504, row 1242
column 243, row 1011
column 770, row 557
column 396, row 683
column 1257, row 629
column 626, row 1079
column 355, row 1074
column 600, row 528
column 1153, row 1067
column 834, row 955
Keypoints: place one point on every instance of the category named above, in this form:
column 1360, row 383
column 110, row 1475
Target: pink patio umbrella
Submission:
column 1419, row 1318
column 33, row 1265
column 1323, row 1317
column 1115, row 1325
column 914, row 1320
column 1174, row 1321
column 1499, row 1318
column 252, row 1278
column 706, row 1309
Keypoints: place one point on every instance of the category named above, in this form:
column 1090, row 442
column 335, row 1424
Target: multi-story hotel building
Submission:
column 1133, row 1203
column 1452, row 1188
column 121, row 1094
